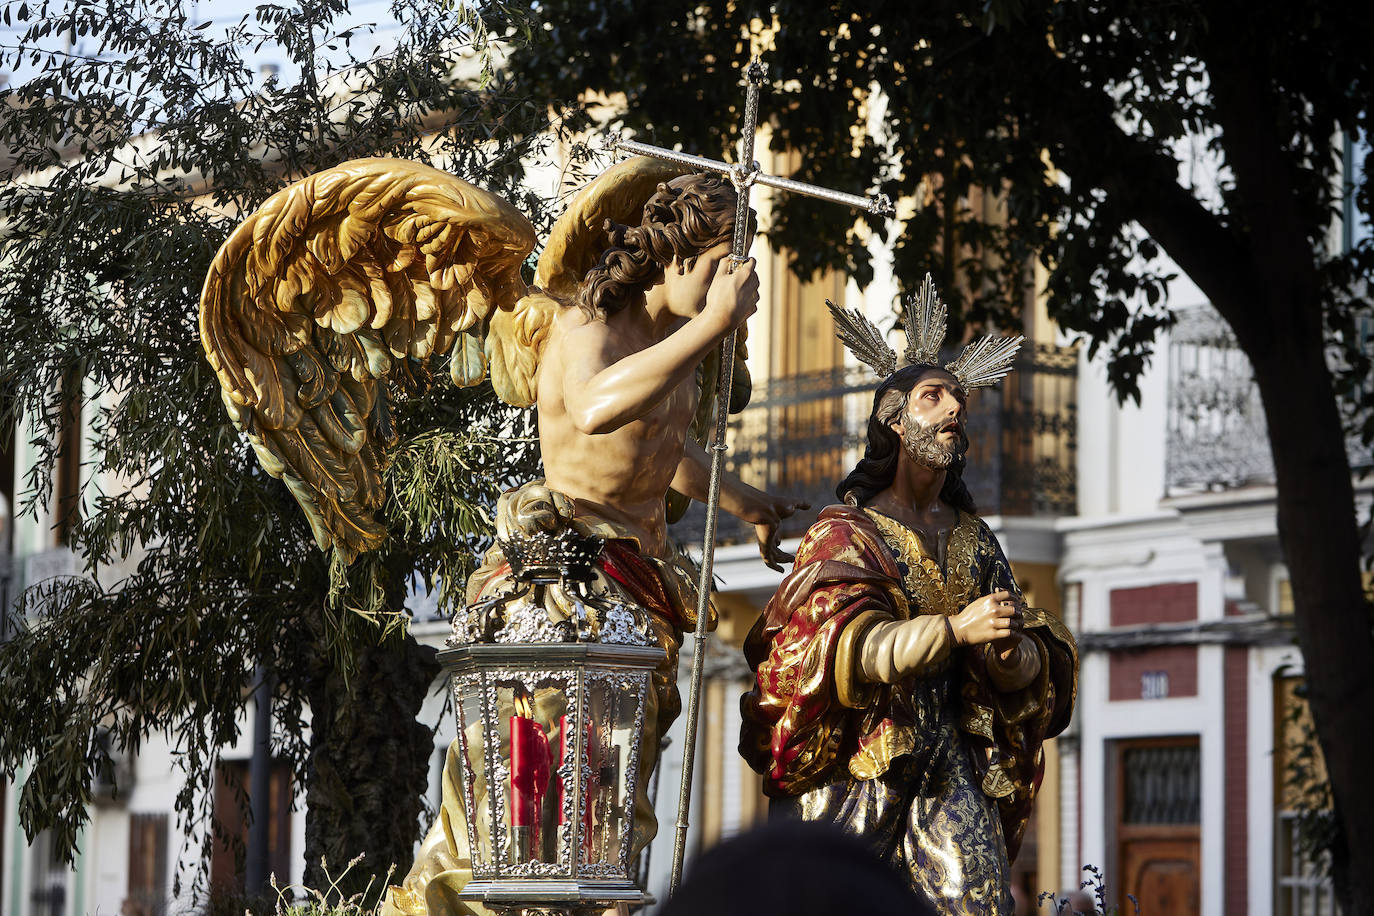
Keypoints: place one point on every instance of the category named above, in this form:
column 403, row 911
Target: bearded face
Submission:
column 930, row 447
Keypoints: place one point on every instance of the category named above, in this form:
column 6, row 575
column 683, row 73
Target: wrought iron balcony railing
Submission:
column 801, row 435
column 1217, row 436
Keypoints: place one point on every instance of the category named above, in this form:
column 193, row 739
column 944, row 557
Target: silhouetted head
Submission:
column 797, row 868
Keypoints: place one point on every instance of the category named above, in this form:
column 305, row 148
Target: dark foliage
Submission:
column 128, row 158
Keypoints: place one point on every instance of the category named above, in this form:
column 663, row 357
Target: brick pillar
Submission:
column 1236, row 674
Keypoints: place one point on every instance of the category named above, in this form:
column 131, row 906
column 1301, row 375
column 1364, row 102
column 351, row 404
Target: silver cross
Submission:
column 743, row 175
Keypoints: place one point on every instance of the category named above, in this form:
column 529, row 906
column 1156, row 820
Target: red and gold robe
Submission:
column 812, row 725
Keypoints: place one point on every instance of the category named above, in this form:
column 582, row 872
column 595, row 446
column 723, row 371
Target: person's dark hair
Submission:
column 681, row 220
column 800, row 868
column 878, row 467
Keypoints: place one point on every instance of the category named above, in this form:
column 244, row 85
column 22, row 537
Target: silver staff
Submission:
column 744, row 177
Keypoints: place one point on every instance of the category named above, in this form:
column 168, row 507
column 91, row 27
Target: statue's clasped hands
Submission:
column 994, row 618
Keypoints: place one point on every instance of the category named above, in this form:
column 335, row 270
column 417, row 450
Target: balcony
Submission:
column 802, row 434
column 1217, row 435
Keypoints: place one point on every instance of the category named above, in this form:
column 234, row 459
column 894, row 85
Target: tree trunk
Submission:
column 369, row 760
column 1267, row 286
column 1319, row 533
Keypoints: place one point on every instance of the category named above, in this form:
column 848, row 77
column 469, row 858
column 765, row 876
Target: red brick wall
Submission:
column 1237, row 887
column 1169, row 603
column 1178, row 662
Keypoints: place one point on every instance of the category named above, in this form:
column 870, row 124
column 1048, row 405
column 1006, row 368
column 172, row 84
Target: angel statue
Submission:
column 903, row 687
column 342, row 276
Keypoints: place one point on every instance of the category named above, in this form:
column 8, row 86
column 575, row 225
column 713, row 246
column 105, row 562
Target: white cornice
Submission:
column 1027, row 539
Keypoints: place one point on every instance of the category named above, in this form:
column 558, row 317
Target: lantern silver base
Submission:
column 553, row 896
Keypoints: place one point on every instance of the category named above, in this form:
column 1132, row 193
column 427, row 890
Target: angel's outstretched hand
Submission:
column 767, row 515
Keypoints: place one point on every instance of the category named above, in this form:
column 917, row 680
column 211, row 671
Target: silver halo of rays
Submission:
column 982, row 364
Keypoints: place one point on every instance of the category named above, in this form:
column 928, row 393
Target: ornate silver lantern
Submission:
column 551, row 682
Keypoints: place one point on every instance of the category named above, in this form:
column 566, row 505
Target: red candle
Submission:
column 563, row 749
column 529, row 773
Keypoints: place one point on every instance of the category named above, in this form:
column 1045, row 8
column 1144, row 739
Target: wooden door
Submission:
column 1157, row 826
column 232, row 823
column 1163, row 874
column 148, row 891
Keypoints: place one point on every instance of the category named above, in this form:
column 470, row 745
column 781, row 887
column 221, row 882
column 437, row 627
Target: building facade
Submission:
column 1174, row 580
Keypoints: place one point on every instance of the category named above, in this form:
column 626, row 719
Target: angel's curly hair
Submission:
column 683, row 218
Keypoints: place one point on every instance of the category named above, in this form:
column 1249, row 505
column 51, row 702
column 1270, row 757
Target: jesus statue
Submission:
column 903, row 687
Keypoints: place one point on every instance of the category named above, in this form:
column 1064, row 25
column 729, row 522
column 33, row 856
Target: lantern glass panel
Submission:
column 613, row 705
column 474, row 787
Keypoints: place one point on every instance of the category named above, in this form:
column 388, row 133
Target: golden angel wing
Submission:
column 317, row 294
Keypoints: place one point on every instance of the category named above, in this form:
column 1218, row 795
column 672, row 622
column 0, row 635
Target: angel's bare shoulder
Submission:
column 576, row 332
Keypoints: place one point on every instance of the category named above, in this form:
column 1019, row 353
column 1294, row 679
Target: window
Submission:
column 1160, row 784
column 48, row 878
column 147, row 864
column 1302, row 882
column 231, row 814
column 1217, row 435
column 1302, row 888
